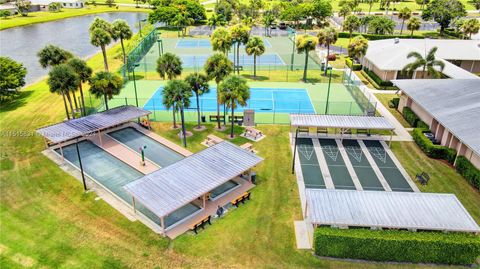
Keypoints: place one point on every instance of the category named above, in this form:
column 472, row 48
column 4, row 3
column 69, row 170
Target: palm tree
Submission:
column 100, row 36
column 62, row 80
column 326, row 37
column 413, row 24
column 52, row 55
column 178, row 93
column 427, row 64
column 169, row 104
column 240, row 35
column 84, row 73
column 351, row 24
column 234, row 91
column 404, row 15
column 217, row 67
column 182, row 21
column 106, row 84
column 305, row 44
column 256, row 48
column 199, row 85
column 169, row 65
column 268, row 19
column 470, row 26
column 121, row 30
column 358, row 47
column 216, row 20
column 221, row 40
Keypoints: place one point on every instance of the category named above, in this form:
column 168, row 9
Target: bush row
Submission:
column 410, row 116
column 394, row 102
column 468, row 171
column 377, row 79
column 353, row 66
column 399, row 246
column 378, row 37
column 431, row 150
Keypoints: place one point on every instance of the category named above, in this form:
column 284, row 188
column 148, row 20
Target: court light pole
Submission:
column 328, row 91
column 135, row 83
column 294, row 151
column 81, row 166
column 140, row 25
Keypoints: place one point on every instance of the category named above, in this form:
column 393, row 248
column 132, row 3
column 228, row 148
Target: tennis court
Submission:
column 312, row 175
column 389, row 169
column 336, row 165
column 190, row 61
column 261, row 100
column 205, row 44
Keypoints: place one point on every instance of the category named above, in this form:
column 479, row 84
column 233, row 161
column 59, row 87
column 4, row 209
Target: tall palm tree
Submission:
column 106, row 84
column 256, row 48
column 170, row 104
column 121, row 30
column 240, row 35
column 216, row 20
column 327, row 37
column 427, row 64
column 62, row 80
column 101, row 36
column 84, row 73
column 169, row 66
column 351, row 24
column 413, row 24
column 217, row 67
column 52, row 55
column 470, row 26
column 178, row 94
column 305, row 44
column 234, row 91
column 221, row 40
column 358, row 47
column 404, row 14
column 199, row 85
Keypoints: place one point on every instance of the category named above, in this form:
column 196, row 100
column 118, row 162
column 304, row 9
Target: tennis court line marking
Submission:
column 278, row 55
column 310, row 100
column 399, row 167
column 327, row 178
column 374, row 165
column 349, row 166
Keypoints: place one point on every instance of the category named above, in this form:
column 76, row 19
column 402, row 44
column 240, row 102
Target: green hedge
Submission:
column 410, row 116
column 422, row 125
column 399, row 246
column 353, row 66
column 431, row 150
column 378, row 37
column 377, row 79
column 394, row 102
column 468, row 171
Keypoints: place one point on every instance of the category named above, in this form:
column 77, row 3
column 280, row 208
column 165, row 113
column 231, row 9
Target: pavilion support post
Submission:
column 294, row 151
column 306, row 208
column 46, row 143
column 204, row 200
column 61, row 152
column 100, row 137
column 162, row 223
column 133, row 204
column 390, row 141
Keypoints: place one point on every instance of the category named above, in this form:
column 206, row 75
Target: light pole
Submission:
column 294, row 151
column 140, row 25
column 135, row 83
column 81, row 166
column 328, row 91
column 160, row 47
column 142, row 152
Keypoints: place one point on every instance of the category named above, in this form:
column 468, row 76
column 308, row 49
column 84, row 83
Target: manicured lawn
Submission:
column 384, row 98
column 37, row 17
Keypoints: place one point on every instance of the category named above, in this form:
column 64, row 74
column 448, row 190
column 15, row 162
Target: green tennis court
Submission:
column 312, row 176
column 362, row 167
column 389, row 170
column 338, row 170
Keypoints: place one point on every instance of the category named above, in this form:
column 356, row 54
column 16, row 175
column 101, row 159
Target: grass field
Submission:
column 384, row 98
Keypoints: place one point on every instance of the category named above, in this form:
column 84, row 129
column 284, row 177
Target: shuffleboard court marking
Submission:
column 306, row 151
column 355, row 152
column 331, row 152
column 327, row 177
column 374, row 166
column 379, row 153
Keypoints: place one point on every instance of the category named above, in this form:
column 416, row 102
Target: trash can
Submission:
column 253, row 177
column 203, row 118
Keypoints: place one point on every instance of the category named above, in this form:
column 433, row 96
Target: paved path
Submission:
column 301, row 235
column 327, row 177
column 349, row 165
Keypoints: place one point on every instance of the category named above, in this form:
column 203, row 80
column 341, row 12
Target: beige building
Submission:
column 388, row 57
column 451, row 107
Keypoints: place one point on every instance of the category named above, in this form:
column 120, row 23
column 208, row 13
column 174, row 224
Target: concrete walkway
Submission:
column 323, row 164
column 349, row 165
column 301, row 235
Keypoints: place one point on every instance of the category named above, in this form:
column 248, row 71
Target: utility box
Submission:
column 249, row 117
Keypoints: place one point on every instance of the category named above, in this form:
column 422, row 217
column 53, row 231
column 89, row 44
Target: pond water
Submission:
column 23, row 43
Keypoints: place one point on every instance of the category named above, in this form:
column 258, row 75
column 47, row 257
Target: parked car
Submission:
column 282, row 26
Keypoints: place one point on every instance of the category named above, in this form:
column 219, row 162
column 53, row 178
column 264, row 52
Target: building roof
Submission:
column 340, row 121
column 402, row 210
column 71, row 129
column 454, row 103
column 174, row 186
column 388, row 55
column 47, row 2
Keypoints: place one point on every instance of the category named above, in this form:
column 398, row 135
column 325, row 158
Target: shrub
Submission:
column 431, row 150
column 422, row 125
column 377, row 79
column 377, row 36
column 410, row 116
column 354, row 66
column 468, row 171
column 332, row 57
column 394, row 102
column 400, row 246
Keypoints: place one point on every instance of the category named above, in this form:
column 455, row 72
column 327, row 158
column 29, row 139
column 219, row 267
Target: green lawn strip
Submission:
column 384, row 98
column 38, row 17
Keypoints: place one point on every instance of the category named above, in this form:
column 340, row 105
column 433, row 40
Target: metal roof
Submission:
column 92, row 123
column 402, row 210
column 454, row 103
column 176, row 185
column 340, row 121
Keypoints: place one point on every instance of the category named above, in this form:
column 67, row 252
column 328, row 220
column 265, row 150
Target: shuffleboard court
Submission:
column 189, row 61
column 205, row 43
column 338, row 170
column 261, row 100
column 312, row 175
column 362, row 167
column 389, row 170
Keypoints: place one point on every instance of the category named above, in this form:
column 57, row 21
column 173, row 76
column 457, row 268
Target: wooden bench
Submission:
column 303, row 130
column 200, row 224
column 236, row 119
column 241, row 199
column 252, row 133
column 322, row 131
column 212, row 140
column 216, row 118
column 247, row 146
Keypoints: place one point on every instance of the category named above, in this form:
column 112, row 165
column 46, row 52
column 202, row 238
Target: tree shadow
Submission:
column 257, row 78
column 15, row 101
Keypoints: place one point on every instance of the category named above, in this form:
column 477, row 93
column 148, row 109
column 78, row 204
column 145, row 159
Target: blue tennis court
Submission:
column 261, row 100
column 205, row 44
column 245, row 60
